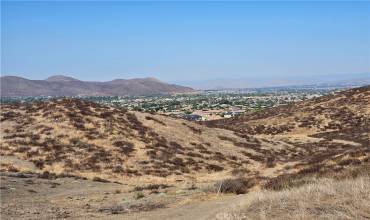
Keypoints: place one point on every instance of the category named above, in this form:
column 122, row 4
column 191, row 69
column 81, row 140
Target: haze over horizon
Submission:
column 358, row 79
column 101, row 41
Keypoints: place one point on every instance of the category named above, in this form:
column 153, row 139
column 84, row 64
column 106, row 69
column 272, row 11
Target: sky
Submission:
column 184, row 41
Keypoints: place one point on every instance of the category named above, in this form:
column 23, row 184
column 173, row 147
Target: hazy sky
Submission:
column 177, row 41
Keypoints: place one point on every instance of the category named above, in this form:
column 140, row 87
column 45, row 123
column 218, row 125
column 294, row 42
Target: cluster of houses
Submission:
column 207, row 115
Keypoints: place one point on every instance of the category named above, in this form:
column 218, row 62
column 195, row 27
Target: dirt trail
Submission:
column 201, row 210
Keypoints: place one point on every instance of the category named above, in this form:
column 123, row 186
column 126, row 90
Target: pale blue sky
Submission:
column 180, row 41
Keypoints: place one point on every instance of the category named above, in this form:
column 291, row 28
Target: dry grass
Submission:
column 320, row 199
column 91, row 140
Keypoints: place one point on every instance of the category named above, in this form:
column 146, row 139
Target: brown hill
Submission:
column 67, row 86
column 344, row 116
column 325, row 132
column 51, row 151
column 87, row 139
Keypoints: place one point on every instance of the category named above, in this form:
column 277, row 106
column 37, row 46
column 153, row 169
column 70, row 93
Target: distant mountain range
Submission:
column 60, row 85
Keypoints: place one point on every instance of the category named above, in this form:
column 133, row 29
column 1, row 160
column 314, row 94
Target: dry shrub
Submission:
column 39, row 163
column 22, row 149
column 176, row 145
column 192, row 154
column 47, row 175
column 10, row 115
column 117, row 169
column 106, row 115
column 151, row 187
column 236, row 186
column 177, row 162
column 113, row 209
column 98, row 179
column 124, row 147
column 214, row 167
column 139, row 195
column 154, row 119
column 270, row 162
column 218, row 156
column 349, row 161
column 193, row 129
column 240, row 171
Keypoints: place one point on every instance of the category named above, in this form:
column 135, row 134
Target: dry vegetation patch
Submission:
column 319, row 199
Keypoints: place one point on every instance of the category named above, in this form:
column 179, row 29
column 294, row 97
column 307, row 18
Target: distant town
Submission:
column 205, row 105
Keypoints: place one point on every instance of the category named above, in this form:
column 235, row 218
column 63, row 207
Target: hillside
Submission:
column 66, row 86
column 320, row 132
column 87, row 139
column 339, row 112
column 135, row 162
